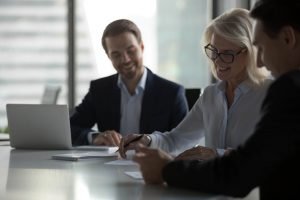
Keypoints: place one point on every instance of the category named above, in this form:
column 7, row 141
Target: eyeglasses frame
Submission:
column 234, row 54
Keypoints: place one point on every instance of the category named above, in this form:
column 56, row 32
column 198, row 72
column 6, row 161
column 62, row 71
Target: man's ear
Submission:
column 142, row 45
column 288, row 36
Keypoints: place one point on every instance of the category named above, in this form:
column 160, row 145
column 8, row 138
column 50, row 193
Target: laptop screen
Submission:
column 39, row 126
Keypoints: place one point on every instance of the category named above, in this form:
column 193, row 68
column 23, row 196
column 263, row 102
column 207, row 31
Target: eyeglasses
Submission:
column 227, row 58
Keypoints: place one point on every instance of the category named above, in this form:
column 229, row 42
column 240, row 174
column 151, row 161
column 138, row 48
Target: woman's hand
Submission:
column 129, row 142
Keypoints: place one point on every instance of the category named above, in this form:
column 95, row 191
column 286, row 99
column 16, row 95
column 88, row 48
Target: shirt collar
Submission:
column 141, row 84
column 243, row 87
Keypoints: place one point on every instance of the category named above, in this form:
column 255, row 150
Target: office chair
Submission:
column 50, row 94
column 192, row 94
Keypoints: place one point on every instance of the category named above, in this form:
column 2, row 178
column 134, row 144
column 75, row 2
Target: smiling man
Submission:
column 134, row 100
column 269, row 159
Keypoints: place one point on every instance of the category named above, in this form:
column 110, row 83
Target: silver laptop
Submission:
column 42, row 126
column 39, row 126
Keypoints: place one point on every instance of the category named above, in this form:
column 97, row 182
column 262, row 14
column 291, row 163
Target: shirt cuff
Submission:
column 90, row 136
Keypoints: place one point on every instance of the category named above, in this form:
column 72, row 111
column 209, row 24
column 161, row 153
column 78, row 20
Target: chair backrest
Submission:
column 192, row 94
column 50, row 94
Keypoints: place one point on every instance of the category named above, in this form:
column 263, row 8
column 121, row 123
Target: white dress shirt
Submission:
column 131, row 106
column 211, row 118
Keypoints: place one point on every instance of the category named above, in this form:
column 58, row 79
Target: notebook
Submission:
column 42, row 126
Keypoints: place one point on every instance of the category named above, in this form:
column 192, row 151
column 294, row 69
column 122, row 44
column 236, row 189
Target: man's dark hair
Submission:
column 118, row 27
column 274, row 14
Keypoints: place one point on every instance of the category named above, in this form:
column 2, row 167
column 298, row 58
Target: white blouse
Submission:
column 211, row 118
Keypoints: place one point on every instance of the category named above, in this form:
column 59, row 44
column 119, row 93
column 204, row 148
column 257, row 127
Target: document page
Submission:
column 135, row 175
column 121, row 162
column 96, row 148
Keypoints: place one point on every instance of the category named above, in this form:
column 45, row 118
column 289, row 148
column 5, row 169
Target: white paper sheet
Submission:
column 135, row 175
column 121, row 162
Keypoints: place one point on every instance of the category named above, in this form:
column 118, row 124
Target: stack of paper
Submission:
column 83, row 155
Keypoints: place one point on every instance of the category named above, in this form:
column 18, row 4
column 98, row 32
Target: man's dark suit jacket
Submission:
column 163, row 106
column 270, row 159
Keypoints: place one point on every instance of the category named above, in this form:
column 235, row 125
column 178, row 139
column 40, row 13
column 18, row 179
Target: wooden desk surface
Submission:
column 33, row 175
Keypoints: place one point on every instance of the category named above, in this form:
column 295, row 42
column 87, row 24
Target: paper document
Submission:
column 83, row 155
column 121, row 162
column 96, row 148
column 135, row 175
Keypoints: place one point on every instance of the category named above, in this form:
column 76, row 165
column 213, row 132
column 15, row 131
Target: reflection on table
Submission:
column 31, row 174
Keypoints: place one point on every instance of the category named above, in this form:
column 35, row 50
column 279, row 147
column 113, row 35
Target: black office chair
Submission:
column 192, row 94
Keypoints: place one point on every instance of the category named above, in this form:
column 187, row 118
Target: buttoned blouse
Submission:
column 211, row 118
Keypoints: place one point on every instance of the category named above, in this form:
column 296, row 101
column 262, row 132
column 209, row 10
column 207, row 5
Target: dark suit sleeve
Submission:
column 83, row 119
column 179, row 109
column 164, row 105
column 267, row 159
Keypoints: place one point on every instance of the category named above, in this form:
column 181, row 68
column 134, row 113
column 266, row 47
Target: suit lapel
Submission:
column 148, row 99
column 116, row 105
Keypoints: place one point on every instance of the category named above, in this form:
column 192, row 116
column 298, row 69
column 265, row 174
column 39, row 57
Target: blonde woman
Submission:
column 226, row 112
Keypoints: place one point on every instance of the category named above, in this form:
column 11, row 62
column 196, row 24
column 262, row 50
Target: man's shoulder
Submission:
column 105, row 81
column 289, row 80
column 163, row 82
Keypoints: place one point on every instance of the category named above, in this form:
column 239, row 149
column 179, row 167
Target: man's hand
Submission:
column 128, row 143
column 108, row 138
column 151, row 162
column 197, row 153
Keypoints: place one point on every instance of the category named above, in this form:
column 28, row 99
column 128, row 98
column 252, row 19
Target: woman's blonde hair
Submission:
column 236, row 26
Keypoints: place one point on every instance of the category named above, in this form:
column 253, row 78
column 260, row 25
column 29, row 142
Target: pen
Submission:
column 134, row 140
